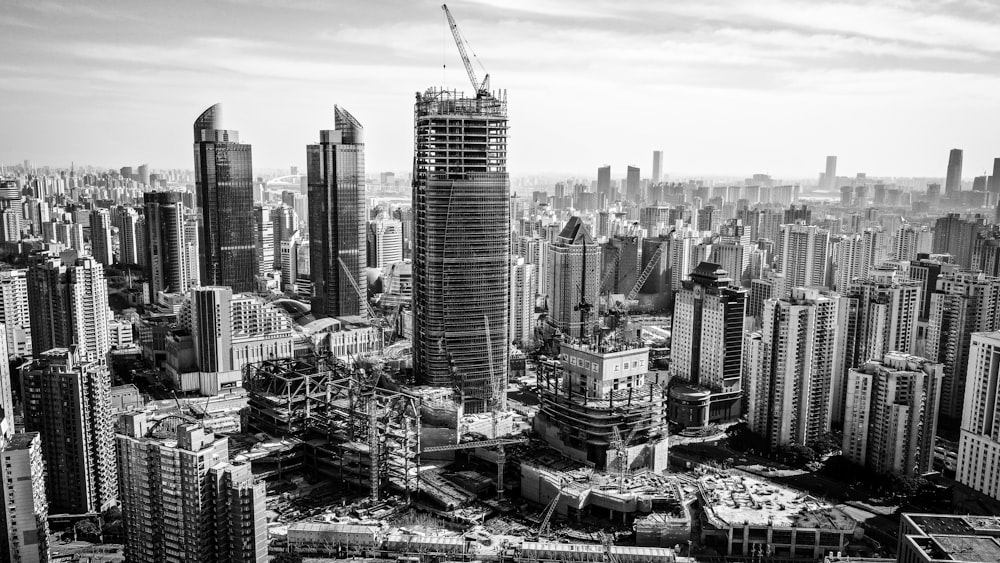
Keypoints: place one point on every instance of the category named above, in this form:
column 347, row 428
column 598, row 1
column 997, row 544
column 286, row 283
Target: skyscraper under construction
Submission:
column 461, row 272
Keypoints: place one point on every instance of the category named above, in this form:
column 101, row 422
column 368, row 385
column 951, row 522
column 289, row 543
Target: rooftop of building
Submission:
column 735, row 500
column 962, row 548
column 21, row 441
column 938, row 524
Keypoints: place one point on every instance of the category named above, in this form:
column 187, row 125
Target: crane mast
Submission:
column 482, row 89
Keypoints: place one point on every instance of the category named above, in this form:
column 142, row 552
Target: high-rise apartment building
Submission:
column 14, row 311
column 880, row 315
column 25, row 512
column 66, row 401
column 707, row 338
column 461, row 244
column 801, row 254
column 131, row 235
column 791, row 368
column 911, row 240
column 855, row 255
column 337, row 251
column 523, row 288
column 979, row 441
column 223, row 172
column 657, row 166
column 574, row 267
column 733, row 251
column 100, row 236
column 168, row 263
column 953, row 181
column 284, row 223
column 385, row 243
column 264, row 239
column 963, row 302
column 956, row 236
column 891, row 414
column 68, row 305
column 182, row 500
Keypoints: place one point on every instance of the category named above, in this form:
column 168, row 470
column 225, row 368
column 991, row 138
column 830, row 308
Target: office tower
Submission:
column 68, row 305
column 993, row 185
column 100, row 236
column 854, row 257
column 620, row 264
column 212, row 327
column 461, row 245
column 891, row 415
column 604, row 184
column 956, row 236
column 385, row 243
column 143, row 174
column 963, row 302
column 284, row 225
column 633, row 193
column 338, row 256
column 224, row 198
column 14, row 312
column 830, row 176
column 657, row 166
column 801, row 254
column 168, row 265
column 290, row 254
column 68, row 405
column 912, row 240
column 182, row 500
column 574, row 280
column 264, row 239
column 791, row 366
column 707, row 338
column 25, row 508
column 523, row 288
column 979, row 441
column 953, row 181
column 131, row 243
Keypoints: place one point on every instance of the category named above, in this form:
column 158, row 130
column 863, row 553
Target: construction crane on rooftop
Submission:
column 482, row 88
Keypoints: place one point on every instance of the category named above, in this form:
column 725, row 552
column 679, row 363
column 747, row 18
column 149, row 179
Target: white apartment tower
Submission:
column 792, row 365
column 979, row 442
column 523, row 288
column 891, row 414
column 801, row 254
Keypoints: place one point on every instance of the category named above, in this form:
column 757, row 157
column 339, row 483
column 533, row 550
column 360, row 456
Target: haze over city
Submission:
column 722, row 87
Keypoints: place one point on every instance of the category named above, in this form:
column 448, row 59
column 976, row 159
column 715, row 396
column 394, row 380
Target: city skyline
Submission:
column 786, row 83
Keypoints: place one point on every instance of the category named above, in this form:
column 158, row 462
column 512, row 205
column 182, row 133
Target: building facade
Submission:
column 461, row 244
column 979, row 441
column 337, row 250
column 224, row 197
column 574, row 267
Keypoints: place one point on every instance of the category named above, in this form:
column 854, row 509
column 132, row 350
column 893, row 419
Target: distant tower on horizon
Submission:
column 633, row 192
column 223, row 173
column 953, row 182
column 830, row 176
column 604, row 184
column 337, row 225
column 461, row 244
column 657, row 166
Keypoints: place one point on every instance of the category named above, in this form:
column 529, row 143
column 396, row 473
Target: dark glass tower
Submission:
column 953, row 182
column 461, row 244
column 337, row 252
column 224, row 189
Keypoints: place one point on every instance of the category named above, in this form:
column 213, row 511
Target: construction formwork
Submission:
column 349, row 428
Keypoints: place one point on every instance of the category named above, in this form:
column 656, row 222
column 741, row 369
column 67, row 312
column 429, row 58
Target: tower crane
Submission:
column 543, row 528
column 648, row 269
column 621, row 452
column 482, row 88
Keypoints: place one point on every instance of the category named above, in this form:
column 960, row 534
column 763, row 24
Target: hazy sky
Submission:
column 721, row 86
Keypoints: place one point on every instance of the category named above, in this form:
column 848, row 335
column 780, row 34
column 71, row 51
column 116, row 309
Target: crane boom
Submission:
column 481, row 88
column 648, row 269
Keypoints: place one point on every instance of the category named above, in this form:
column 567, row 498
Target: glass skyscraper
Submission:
column 224, row 190
column 461, row 244
column 337, row 251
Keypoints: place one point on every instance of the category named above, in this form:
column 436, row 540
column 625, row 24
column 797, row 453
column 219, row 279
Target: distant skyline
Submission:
column 722, row 87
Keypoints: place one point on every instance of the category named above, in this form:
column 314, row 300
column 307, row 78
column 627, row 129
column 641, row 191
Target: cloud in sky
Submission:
column 722, row 86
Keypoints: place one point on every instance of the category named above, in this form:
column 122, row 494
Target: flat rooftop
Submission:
column 732, row 500
column 966, row 548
